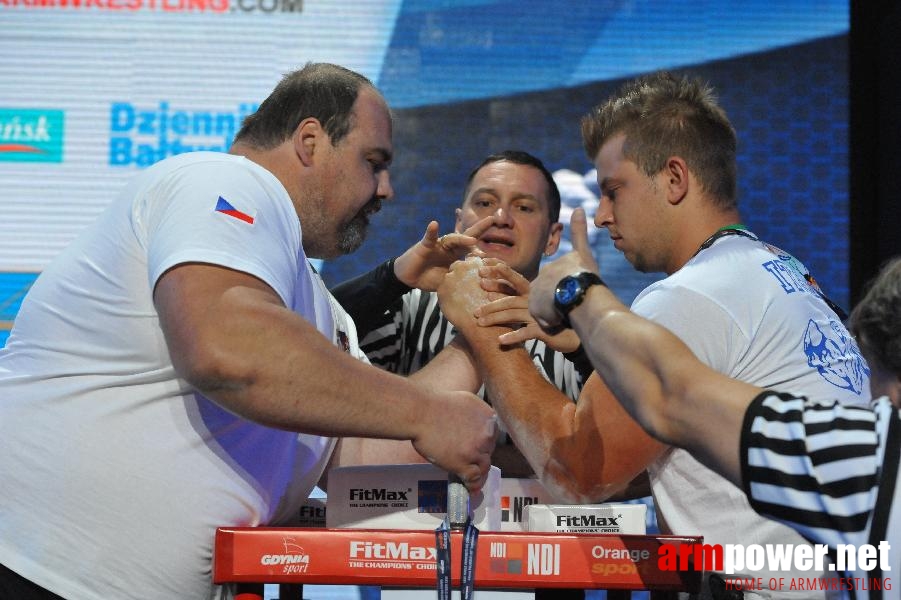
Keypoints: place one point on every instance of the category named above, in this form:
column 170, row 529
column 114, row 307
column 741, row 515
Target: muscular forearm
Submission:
column 624, row 350
column 559, row 439
column 453, row 368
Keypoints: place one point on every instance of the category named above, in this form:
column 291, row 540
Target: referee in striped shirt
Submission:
column 828, row 470
column 509, row 212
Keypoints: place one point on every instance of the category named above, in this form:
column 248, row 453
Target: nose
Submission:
column 603, row 217
column 384, row 190
column 503, row 216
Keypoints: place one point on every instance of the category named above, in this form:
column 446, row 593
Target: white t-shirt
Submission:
column 745, row 311
column 115, row 472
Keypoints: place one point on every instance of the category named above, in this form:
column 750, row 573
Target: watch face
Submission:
column 568, row 290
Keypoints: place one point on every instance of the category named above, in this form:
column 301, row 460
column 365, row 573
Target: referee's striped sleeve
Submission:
column 814, row 466
column 382, row 342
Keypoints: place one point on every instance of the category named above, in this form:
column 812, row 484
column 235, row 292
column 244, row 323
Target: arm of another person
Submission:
column 675, row 397
column 232, row 338
column 367, row 297
column 582, row 452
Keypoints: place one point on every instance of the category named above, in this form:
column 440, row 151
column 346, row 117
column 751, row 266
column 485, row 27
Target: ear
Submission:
column 307, row 136
column 553, row 239
column 675, row 179
column 458, row 214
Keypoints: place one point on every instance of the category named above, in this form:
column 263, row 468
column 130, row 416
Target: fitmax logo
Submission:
column 586, row 521
column 378, row 494
column 31, row 135
column 390, row 551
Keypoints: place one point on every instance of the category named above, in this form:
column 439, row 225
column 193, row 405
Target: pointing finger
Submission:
column 479, row 227
column 431, row 234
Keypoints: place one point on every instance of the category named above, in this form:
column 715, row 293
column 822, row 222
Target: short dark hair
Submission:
column 324, row 91
column 662, row 115
column 876, row 320
column 520, row 157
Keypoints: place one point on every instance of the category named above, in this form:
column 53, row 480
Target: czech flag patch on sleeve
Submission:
column 223, row 206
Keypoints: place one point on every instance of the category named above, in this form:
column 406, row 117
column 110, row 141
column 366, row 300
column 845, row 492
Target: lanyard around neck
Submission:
column 733, row 229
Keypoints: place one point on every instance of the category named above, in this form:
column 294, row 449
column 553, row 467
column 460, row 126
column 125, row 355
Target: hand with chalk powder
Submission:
column 461, row 293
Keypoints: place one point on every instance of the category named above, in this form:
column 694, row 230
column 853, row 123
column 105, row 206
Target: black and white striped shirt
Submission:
column 828, row 470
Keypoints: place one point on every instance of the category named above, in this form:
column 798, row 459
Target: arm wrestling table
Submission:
column 292, row 557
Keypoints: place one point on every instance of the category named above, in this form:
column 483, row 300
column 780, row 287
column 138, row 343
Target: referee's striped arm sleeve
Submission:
column 382, row 343
column 814, row 466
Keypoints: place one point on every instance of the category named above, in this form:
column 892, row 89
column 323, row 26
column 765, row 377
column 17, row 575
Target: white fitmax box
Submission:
column 412, row 496
column 587, row 518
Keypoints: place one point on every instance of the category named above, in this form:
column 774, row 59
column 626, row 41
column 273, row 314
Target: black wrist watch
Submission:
column 571, row 291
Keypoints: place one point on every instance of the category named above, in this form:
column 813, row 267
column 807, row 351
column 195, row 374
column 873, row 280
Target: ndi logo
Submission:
column 519, row 503
column 31, row 135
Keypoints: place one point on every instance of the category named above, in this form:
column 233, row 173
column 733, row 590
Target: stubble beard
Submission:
column 324, row 239
column 352, row 235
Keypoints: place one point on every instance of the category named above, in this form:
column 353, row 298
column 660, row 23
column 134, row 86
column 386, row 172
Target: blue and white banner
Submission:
column 93, row 90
